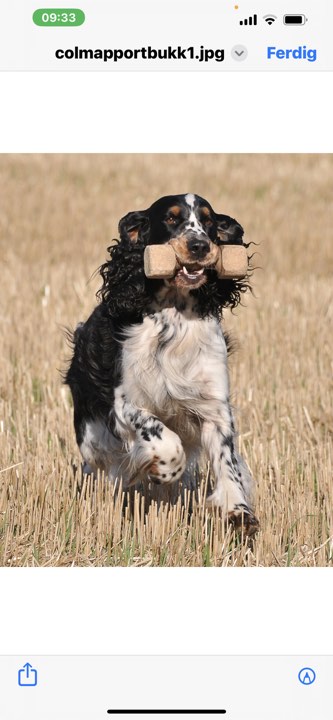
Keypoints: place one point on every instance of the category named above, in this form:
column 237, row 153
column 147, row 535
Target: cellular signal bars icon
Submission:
column 252, row 20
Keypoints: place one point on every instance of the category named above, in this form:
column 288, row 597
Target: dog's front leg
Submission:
column 232, row 477
column 152, row 449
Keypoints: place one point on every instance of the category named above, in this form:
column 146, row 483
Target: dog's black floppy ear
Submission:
column 132, row 224
column 229, row 230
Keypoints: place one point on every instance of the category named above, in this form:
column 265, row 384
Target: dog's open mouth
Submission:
column 189, row 275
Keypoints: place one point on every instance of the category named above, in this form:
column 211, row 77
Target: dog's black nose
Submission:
column 198, row 247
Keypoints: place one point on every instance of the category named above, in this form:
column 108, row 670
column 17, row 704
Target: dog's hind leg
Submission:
column 233, row 479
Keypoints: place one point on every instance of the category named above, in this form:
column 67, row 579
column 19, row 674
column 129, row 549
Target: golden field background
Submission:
column 58, row 213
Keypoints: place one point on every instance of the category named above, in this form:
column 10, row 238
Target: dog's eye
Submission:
column 171, row 220
column 208, row 222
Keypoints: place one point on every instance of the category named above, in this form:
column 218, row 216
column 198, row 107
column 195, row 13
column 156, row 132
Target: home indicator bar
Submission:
column 167, row 712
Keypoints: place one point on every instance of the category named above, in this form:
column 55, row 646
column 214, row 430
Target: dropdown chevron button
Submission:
column 239, row 53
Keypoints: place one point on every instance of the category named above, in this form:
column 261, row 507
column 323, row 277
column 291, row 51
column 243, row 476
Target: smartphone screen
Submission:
column 166, row 254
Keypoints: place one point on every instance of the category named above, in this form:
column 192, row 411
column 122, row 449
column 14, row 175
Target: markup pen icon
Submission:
column 307, row 676
column 27, row 676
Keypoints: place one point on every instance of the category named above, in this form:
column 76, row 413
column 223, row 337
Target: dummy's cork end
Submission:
column 232, row 262
column 159, row 261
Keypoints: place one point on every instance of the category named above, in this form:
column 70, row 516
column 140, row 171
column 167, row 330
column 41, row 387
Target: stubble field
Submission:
column 57, row 216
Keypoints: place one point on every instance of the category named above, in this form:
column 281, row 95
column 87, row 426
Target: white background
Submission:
column 166, row 610
column 170, row 112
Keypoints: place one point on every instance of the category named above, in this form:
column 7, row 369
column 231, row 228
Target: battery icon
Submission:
column 295, row 19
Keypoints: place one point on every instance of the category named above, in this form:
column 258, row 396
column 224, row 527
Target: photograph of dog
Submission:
column 149, row 375
column 189, row 336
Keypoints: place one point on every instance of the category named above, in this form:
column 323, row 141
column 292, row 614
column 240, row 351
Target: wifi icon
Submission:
column 270, row 19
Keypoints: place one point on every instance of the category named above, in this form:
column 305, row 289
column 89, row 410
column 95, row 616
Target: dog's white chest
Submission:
column 172, row 362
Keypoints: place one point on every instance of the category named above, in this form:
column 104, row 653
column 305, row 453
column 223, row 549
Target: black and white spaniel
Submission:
column 149, row 375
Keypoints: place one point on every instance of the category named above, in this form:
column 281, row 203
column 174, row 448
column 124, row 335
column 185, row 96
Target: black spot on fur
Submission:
column 145, row 434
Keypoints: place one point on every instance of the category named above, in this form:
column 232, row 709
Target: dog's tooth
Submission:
column 184, row 270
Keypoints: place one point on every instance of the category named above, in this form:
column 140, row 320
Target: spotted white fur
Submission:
column 193, row 223
column 183, row 359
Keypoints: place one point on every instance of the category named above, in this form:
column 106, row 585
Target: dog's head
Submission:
column 194, row 230
column 189, row 224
